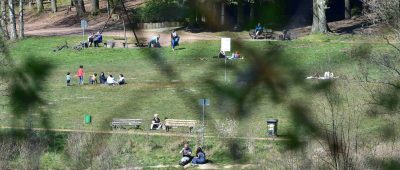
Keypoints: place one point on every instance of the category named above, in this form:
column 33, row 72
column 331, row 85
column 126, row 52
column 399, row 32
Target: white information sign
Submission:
column 225, row 44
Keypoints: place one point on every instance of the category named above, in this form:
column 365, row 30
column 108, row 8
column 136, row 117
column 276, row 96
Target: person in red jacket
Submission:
column 80, row 73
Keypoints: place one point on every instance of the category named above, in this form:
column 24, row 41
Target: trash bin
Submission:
column 272, row 127
column 88, row 119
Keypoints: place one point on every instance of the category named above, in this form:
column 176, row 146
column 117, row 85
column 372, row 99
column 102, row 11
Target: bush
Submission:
column 161, row 10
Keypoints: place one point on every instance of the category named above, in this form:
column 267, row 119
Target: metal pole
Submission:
column 83, row 35
column 225, row 67
column 203, row 128
column 126, row 43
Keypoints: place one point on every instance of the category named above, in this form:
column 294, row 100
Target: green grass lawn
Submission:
column 150, row 90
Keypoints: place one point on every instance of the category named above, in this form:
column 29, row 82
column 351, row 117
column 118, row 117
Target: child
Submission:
column 80, row 73
column 110, row 80
column 103, row 78
column 121, row 80
column 68, row 77
column 93, row 79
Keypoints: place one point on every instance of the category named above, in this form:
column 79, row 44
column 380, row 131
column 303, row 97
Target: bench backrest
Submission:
column 179, row 122
column 126, row 121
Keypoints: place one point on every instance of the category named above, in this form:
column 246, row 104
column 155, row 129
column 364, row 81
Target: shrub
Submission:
column 161, row 10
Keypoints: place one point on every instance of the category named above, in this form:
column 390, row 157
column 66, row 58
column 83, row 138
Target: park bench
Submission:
column 125, row 123
column 266, row 34
column 170, row 123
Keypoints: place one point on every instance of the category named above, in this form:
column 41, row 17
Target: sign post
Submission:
column 84, row 25
column 203, row 103
column 225, row 46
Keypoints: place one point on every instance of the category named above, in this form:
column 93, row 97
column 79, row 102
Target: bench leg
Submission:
column 166, row 128
column 190, row 129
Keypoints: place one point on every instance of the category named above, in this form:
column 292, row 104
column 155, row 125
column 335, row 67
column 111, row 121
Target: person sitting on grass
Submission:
column 155, row 42
column 235, row 55
column 200, row 157
column 155, row 123
column 258, row 30
column 97, row 39
column 103, row 79
column 91, row 38
column 93, row 79
column 186, row 155
column 111, row 80
column 121, row 80
column 221, row 54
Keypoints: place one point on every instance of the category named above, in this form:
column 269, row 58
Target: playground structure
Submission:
column 131, row 25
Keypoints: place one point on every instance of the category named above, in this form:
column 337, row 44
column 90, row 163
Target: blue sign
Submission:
column 204, row 102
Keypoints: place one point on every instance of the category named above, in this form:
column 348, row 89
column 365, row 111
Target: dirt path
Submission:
column 205, row 166
column 136, row 132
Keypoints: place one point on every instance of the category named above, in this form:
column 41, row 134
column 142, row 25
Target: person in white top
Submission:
column 110, row 80
column 155, row 42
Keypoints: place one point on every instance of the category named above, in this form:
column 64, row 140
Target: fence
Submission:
column 159, row 25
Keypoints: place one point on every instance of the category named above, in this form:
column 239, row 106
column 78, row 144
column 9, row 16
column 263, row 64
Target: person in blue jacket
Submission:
column 258, row 30
column 200, row 157
column 98, row 39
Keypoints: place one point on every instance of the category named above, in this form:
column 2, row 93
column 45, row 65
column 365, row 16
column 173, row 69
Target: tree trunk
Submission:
column 39, row 5
column 21, row 19
column 251, row 12
column 95, row 7
column 347, row 9
column 80, row 7
column 240, row 15
column 4, row 25
column 319, row 17
column 54, row 6
column 13, row 31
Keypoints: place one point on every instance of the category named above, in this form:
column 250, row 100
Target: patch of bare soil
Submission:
column 66, row 22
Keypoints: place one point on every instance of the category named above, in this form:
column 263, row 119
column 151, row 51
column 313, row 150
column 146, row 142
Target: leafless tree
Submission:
column 21, row 19
column 13, row 31
column 54, row 6
column 320, row 24
column 39, row 5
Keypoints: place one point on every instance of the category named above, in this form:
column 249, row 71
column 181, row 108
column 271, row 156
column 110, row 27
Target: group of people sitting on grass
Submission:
column 327, row 76
column 199, row 158
column 93, row 79
column 95, row 39
column 234, row 56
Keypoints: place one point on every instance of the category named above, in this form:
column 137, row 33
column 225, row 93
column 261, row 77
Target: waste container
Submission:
column 272, row 127
column 88, row 119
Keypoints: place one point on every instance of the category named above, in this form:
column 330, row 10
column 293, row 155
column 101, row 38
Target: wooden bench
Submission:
column 125, row 123
column 266, row 34
column 170, row 123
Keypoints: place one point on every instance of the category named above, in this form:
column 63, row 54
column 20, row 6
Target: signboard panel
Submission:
column 225, row 44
